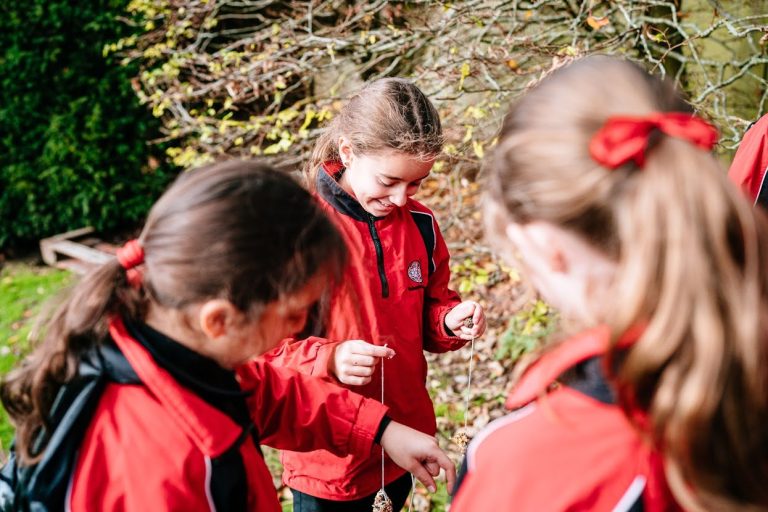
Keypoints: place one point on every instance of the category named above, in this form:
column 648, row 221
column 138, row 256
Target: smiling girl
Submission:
column 393, row 300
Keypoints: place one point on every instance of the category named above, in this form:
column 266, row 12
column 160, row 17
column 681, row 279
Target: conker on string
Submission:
column 382, row 503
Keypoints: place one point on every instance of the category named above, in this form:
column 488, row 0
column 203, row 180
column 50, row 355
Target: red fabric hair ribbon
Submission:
column 130, row 256
column 625, row 138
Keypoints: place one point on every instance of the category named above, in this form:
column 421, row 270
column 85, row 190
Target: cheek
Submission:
column 266, row 335
column 370, row 188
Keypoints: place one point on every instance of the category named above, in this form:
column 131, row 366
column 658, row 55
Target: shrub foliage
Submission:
column 73, row 136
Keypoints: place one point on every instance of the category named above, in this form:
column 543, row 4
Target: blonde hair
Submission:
column 386, row 114
column 692, row 258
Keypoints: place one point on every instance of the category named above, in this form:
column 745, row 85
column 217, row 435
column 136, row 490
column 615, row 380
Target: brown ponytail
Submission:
column 691, row 256
column 75, row 327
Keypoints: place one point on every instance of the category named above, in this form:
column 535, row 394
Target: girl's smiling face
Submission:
column 383, row 181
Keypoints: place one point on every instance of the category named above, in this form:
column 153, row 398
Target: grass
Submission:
column 24, row 289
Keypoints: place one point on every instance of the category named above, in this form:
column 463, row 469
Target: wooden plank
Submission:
column 65, row 251
column 79, row 251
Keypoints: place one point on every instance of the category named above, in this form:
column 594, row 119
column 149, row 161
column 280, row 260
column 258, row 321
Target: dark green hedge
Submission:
column 73, row 148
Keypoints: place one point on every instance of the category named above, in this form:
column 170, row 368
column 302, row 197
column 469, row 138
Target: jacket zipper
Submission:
column 379, row 257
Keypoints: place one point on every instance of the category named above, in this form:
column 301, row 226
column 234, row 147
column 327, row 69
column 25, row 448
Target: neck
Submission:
column 176, row 325
column 343, row 182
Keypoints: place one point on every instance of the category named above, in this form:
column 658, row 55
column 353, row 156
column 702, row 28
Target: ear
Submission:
column 540, row 245
column 217, row 317
column 345, row 151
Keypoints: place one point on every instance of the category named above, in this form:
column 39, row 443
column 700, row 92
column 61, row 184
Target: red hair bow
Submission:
column 130, row 256
column 625, row 138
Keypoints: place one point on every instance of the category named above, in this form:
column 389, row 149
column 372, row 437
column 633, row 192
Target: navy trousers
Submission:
column 397, row 491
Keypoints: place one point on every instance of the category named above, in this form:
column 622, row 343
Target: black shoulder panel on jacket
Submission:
column 425, row 223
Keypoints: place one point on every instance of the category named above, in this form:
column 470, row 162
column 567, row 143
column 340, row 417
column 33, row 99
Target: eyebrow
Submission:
column 399, row 179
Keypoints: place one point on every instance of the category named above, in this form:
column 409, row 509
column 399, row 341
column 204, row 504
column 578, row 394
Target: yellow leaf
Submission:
column 478, row 147
column 310, row 115
column 468, row 134
column 464, row 74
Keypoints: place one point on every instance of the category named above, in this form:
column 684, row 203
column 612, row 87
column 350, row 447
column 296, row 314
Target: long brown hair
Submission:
column 235, row 230
column 692, row 258
column 386, row 114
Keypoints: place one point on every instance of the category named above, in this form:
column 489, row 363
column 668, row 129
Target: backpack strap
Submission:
column 426, row 224
column 43, row 486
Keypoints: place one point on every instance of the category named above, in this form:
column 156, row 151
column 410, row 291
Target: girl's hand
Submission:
column 417, row 453
column 456, row 320
column 353, row 361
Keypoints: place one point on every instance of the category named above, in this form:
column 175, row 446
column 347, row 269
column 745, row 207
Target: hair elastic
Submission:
column 130, row 256
column 625, row 138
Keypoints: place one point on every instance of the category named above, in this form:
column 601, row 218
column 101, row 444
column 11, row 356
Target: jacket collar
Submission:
column 212, row 431
column 203, row 376
column 551, row 365
column 329, row 189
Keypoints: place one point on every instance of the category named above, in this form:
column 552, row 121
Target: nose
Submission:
column 298, row 324
column 399, row 198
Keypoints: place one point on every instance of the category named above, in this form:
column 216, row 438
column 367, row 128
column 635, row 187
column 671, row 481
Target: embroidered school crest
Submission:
column 414, row 271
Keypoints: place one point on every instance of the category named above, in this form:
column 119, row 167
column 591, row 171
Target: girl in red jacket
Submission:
column 655, row 398
column 144, row 392
column 750, row 163
column 393, row 300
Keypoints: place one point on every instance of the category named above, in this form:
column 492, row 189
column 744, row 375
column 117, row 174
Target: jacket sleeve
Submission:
column 309, row 356
column 748, row 169
column 297, row 412
column 439, row 300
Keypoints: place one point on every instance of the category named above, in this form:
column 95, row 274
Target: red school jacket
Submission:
column 564, row 447
column 748, row 169
column 394, row 294
column 158, row 446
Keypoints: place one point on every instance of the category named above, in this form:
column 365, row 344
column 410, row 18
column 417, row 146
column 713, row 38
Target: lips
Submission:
column 386, row 206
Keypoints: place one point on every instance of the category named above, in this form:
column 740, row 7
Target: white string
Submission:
column 412, row 494
column 382, row 401
column 469, row 383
